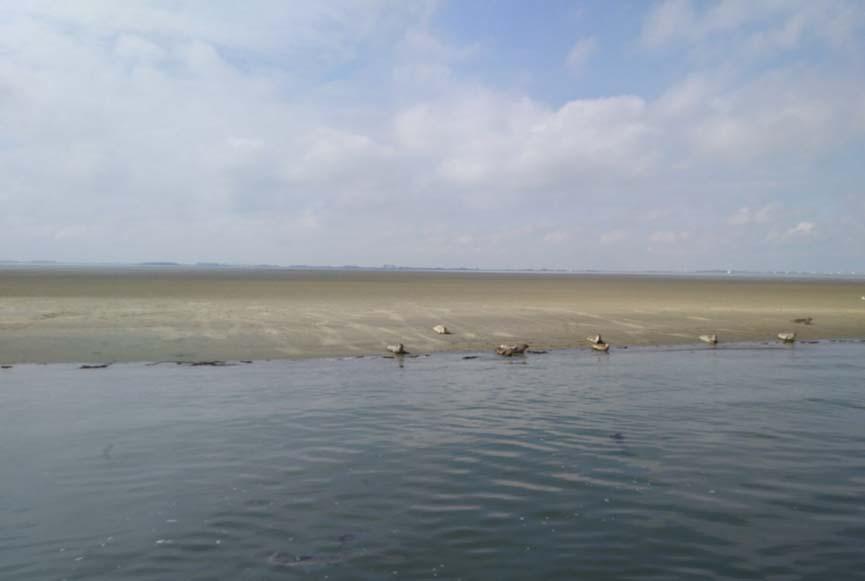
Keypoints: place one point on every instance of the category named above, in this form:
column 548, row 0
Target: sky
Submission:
column 479, row 133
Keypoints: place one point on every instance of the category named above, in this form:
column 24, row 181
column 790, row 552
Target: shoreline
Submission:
column 114, row 315
column 487, row 355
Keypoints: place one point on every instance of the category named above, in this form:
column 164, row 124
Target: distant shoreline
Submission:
column 120, row 314
column 204, row 266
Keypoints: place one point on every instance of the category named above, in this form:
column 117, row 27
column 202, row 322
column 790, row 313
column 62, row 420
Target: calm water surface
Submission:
column 734, row 463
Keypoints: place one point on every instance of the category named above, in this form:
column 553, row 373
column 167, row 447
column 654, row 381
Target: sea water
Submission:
column 739, row 462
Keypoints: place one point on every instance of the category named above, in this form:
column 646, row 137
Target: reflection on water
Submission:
column 726, row 463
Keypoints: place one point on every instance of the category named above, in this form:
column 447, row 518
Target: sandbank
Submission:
column 52, row 315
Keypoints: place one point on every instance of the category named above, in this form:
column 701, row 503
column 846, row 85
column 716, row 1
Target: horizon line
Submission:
column 396, row 267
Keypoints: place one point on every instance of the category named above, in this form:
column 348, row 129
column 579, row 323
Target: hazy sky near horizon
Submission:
column 636, row 135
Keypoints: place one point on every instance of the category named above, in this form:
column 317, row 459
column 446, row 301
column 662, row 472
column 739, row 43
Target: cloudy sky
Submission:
column 678, row 134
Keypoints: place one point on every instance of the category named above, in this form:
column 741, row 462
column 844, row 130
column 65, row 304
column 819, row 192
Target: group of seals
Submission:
column 783, row 337
column 596, row 342
column 399, row 348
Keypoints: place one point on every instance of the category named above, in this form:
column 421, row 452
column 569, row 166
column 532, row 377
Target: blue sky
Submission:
column 623, row 135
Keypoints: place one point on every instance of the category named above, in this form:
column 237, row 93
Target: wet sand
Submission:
column 78, row 315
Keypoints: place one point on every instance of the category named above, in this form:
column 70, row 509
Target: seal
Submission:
column 397, row 349
column 509, row 350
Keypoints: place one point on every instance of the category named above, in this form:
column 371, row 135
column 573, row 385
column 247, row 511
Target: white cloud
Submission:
column 669, row 237
column 689, row 96
column 802, row 229
column 494, row 142
column 557, row 237
column 580, row 53
column 780, row 38
column 747, row 215
column 350, row 132
column 426, row 63
column 319, row 32
column 800, row 232
column 794, row 112
column 613, row 237
column 743, row 28
column 138, row 50
column 667, row 21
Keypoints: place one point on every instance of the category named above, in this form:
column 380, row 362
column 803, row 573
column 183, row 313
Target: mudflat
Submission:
column 153, row 314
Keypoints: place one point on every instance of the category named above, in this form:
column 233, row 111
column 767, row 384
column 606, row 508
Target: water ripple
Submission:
column 647, row 464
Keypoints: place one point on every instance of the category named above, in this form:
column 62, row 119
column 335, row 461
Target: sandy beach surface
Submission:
column 149, row 314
